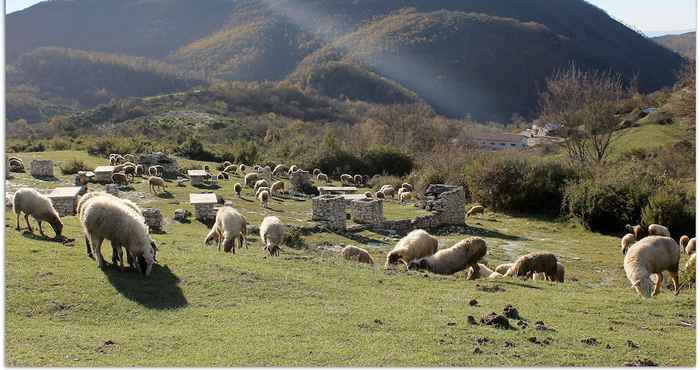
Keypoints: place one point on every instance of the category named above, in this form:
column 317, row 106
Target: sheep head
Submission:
column 56, row 225
column 643, row 287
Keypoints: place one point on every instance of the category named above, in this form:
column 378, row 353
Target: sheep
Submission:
column 690, row 264
column 322, row 177
column 638, row 231
column 483, row 271
column 687, row 245
column 353, row 253
column 346, row 179
column 656, row 229
column 534, row 262
column 104, row 218
column 155, row 182
column 32, row 203
column 272, row 234
column 408, row 186
column 260, row 183
column 228, row 227
column 475, row 210
column 404, row 196
column 230, row 169
column 652, row 255
column 263, row 197
column 250, row 179
column 418, row 243
column 140, row 170
column 388, row 192
column 280, row 170
column 261, row 189
column 15, row 164
column 365, row 179
column 379, row 195
column 156, row 170
column 120, row 179
column 357, row 179
column 237, row 187
column 222, row 176
column 558, row 277
column 369, row 194
column 128, row 164
column 315, row 172
column 242, row 168
column 225, row 164
column 277, row 187
column 458, row 257
column 292, row 169
column 130, row 158
column 503, row 268
column 626, row 242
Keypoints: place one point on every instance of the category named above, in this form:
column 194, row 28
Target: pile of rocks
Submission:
column 153, row 218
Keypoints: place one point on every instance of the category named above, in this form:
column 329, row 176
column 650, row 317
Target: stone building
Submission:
column 205, row 206
column 170, row 168
column 65, row 199
column 103, row 174
column 197, row 177
column 447, row 203
column 329, row 210
column 337, row 190
column 41, row 168
column 367, row 211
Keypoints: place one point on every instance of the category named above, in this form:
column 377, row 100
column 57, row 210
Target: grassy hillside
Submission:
column 311, row 308
column 682, row 44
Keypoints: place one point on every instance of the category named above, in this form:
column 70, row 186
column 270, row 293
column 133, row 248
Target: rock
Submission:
column 473, row 302
column 112, row 189
column 498, row 321
column 511, row 312
column 534, row 340
column 590, row 341
column 471, row 320
column 641, row 362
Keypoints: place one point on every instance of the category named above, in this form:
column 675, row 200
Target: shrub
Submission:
column 387, row 160
column 336, row 162
column 376, row 182
column 18, row 146
column 673, row 207
column 72, row 167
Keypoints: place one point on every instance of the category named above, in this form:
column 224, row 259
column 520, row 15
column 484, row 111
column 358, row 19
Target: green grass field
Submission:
column 308, row 307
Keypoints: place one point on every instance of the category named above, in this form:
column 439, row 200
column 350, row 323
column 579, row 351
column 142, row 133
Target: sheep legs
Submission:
column 41, row 231
column 657, row 287
column 89, row 249
column 29, row 226
column 96, row 243
column 674, row 279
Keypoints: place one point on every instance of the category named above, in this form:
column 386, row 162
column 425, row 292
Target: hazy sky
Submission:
column 646, row 15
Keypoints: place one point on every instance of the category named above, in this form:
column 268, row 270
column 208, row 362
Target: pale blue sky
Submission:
column 646, row 15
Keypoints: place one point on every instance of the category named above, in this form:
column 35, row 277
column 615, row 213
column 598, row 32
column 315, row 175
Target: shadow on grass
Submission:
column 46, row 238
column 480, row 231
column 159, row 291
column 519, row 284
column 165, row 195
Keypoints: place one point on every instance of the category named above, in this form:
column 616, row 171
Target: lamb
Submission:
column 388, row 191
column 228, row 227
column 404, row 196
column 558, row 277
column 534, row 262
column 32, row 203
column 156, row 170
column 322, row 177
column 503, row 268
column 687, row 245
column 260, row 183
column 104, row 218
column 656, row 229
column 250, row 179
column 155, row 182
column 277, row 187
column 241, row 168
column 353, row 253
column 638, row 231
column 626, row 242
column 120, row 179
column 458, row 257
column 652, row 255
column 418, row 243
column 263, row 197
column 272, row 234
column 475, row 210
column 483, row 271
column 237, row 187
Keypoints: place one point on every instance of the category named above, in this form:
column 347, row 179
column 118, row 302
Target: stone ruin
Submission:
column 170, row 169
column 447, row 203
column 103, row 174
column 205, row 206
column 300, row 182
column 153, row 218
column 329, row 210
column 367, row 211
column 41, row 168
column 112, row 189
column 65, row 200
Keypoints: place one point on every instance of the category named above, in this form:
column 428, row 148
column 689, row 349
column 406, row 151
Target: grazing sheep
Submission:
column 241, row 168
column 261, row 189
column 346, row 179
column 322, row 177
column 418, row 243
column 128, row 164
column 379, row 195
column 140, row 170
column 228, row 227
column 483, row 271
column 652, row 255
column 404, row 196
column 250, row 179
column 120, row 179
column 222, row 176
column 39, row 206
column 687, row 245
column 104, row 218
column 263, row 197
column 237, row 188
column 292, row 169
column 558, row 277
column 534, row 262
column 156, row 170
column 388, row 192
column 260, row 183
column 475, row 210
column 353, row 253
column 315, row 172
column 503, row 268
column 15, row 165
column 658, row 230
column 130, row 158
column 626, row 242
column 357, row 179
column 277, row 187
column 280, row 170
column 458, row 257
column 638, row 231
column 230, row 169
column 272, row 234
column 365, row 179
column 155, row 182
column 408, row 186
column 369, row 194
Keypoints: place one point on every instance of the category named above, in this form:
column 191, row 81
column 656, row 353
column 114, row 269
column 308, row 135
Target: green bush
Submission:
column 386, row 160
column 19, row 146
column 673, row 207
column 72, row 167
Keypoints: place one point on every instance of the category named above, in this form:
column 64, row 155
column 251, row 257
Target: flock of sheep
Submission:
column 647, row 253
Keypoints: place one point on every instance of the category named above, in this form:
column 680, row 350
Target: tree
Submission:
column 685, row 101
column 584, row 103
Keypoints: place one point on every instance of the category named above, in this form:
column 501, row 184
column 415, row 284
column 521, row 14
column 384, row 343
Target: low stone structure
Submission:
column 337, row 190
column 65, row 200
column 41, row 168
column 329, row 210
column 154, row 219
column 181, row 215
column 300, row 182
column 446, row 204
column 170, row 169
column 103, row 174
column 205, row 206
column 367, row 211
column 197, row 177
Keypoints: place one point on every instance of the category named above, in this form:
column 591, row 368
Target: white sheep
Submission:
column 687, row 245
column 237, row 188
column 483, row 271
column 263, row 197
column 260, row 183
column 346, row 179
column 277, row 187
column 652, row 255
column 315, row 172
column 280, row 170
column 388, row 191
column 475, row 210
column 357, row 179
column 272, row 234
column 458, row 257
column 228, row 227
column 534, row 262
column 656, row 229
column 231, row 169
column 322, row 177
column 155, row 182
column 408, row 186
column 241, row 168
column 558, row 276
column 503, row 268
column 130, row 158
column 626, row 242
column 261, row 189
column 120, row 179
column 353, row 253
column 404, row 196
column 104, row 218
column 156, row 170
column 379, row 195
column 418, row 243
column 39, row 206
column 250, row 179
column 292, row 169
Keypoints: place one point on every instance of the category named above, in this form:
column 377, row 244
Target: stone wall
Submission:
column 445, row 202
column 205, row 212
column 367, row 211
column 330, row 210
column 154, row 219
column 64, row 206
column 41, row 168
column 170, row 169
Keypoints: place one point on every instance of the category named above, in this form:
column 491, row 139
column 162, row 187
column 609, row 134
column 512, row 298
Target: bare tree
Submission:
column 685, row 101
column 584, row 103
